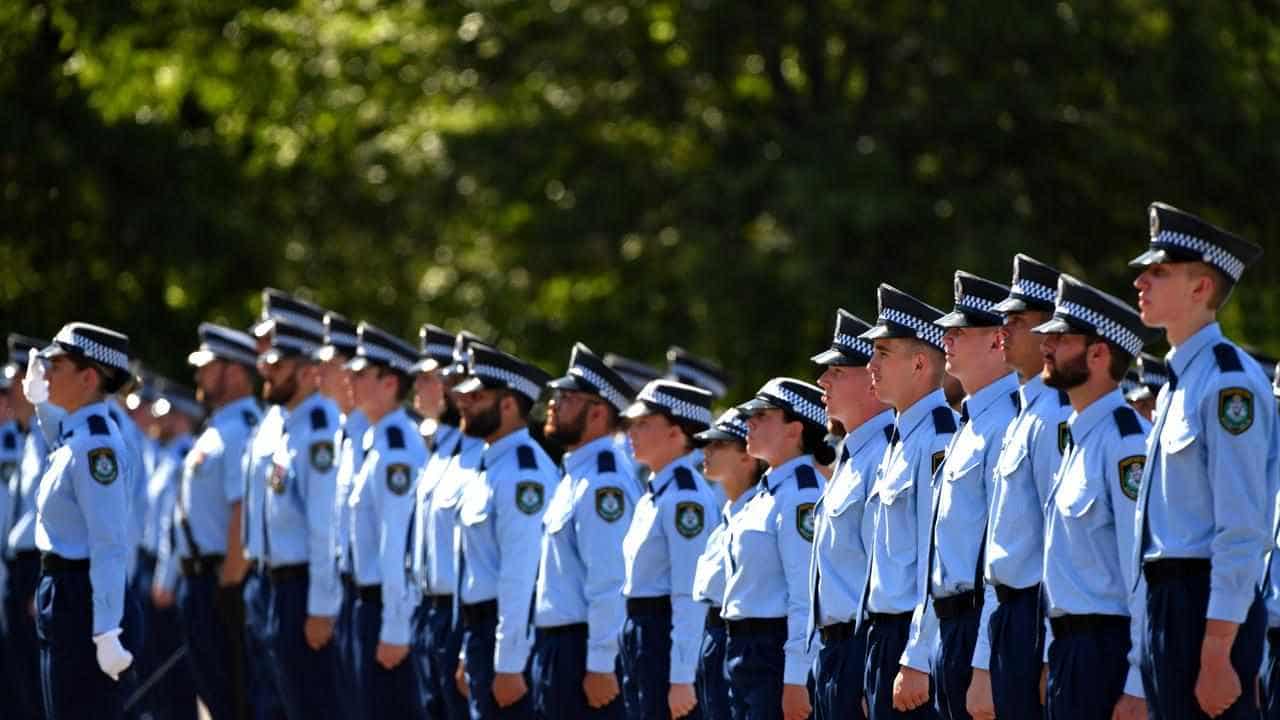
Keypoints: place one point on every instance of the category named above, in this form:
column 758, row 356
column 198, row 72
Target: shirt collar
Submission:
column 660, row 480
column 80, row 417
column 303, row 410
column 234, row 407
column 995, row 391
column 1179, row 358
column 1086, row 420
column 1032, row 389
column 776, row 476
column 574, row 462
column 733, row 506
column 866, row 432
column 495, row 450
column 918, row 413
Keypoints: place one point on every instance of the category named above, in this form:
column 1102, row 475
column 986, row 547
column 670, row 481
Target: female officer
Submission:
column 766, row 606
column 658, row 650
column 80, row 529
column 725, row 460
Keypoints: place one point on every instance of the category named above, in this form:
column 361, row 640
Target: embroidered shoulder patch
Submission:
column 322, row 456
column 690, row 519
column 1235, row 409
column 1064, row 437
column 398, row 478
column 529, row 497
column 103, row 466
column 1131, row 475
column 610, row 503
column 936, row 460
column 804, row 521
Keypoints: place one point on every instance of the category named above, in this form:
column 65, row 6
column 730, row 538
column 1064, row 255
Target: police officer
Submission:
column 660, row 638
column 1152, row 375
column 766, row 596
column 296, row 520
column 381, row 506
column 906, row 372
column 725, row 462
column 1006, row 658
column 80, row 529
column 1088, row 567
column 499, row 527
column 579, row 605
column 838, row 570
column 453, row 463
column 431, row 399
column 1205, row 511
column 1271, row 696
column 207, row 518
column 963, row 490
column 18, row 539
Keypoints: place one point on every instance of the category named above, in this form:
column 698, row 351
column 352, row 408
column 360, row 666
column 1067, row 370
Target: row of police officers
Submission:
column 380, row 531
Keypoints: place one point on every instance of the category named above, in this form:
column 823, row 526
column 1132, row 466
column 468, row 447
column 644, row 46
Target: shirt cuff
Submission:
column 1133, row 683
column 796, row 669
column 601, row 661
column 1229, row 606
column 507, row 659
column 917, row 657
column 681, row 675
column 982, row 654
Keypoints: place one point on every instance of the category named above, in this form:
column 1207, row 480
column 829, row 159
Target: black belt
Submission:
column 1162, row 571
column 649, row 605
column 836, row 632
column 146, row 555
column 348, row 582
column 713, row 617
column 1077, row 624
column 201, row 564
column 756, row 626
column 1005, row 594
column 956, row 605
column 1274, row 636
column 51, row 563
column 370, row 593
column 478, row 613
column 564, row 629
column 439, row 602
column 287, row 573
column 888, row 617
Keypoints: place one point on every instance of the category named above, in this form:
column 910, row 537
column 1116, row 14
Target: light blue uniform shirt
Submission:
column 259, row 468
column 12, row 438
column 767, row 563
column 838, row 569
column 668, row 534
column 580, row 571
column 82, row 505
column 900, row 509
column 442, row 445
column 381, row 505
column 136, row 481
column 300, row 499
column 1089, row 565
column 213, row 477
column 440, row 489
column 162, row 494
column 21, row 532
column 1029, row 457
column 1212, row 472
column 708, row 576
column 350, row 445
column 499, row 529
column 964, row 488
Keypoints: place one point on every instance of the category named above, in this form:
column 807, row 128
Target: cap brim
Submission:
column 1153, row 256
column 424, row 365
column 954, row 319
column 712, row 434
column 200, row 358
column 836, row 357
column 569, row 382
column 262, row 327
column 12, row 370
column 1141, row 392
column 880, row 332
column 757, row 404
column 470, row 385
column 271, row 357
column 52, row 351
column 357, row 363
column 324, row 353
column 1055, row 326
column 1011, row 305
column 639, row 409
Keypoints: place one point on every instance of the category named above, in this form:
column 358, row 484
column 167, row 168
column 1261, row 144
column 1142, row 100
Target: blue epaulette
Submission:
column 944, row 421
column 249, row 418
column 1127, row 421
column 1063, row 399
column 806, row 478
column 395, row 438
column 526, row 458
column 98, row 425
column 684, row 478
column 11, row 441
column 1227, row 357
column 606, row 462
column 319, row 419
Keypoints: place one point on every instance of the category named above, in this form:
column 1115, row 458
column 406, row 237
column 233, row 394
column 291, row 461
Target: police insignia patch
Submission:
column 804, row 521
column 1131, row 475
column 398, row 478
column 610, row 503
column 1064, row 437
column 276, row 480
column 1235, row 409
column 937, row 459
column 529, row 497
column 103, row 466
column 322, row 456
column 689, row 519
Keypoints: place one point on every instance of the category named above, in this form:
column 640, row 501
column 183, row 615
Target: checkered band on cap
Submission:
column 388, row 350
column 439, row 350
column 513, row 380
column 976, row 303
column 924, row 330
column 1102, row 325
column 853, row 343
column 733, row 422
column 807, row 408
column 1211, row 253
column 603, row 387
column 655, row 393
column 1033, row 290
column 94, row 350
column 1154, row 377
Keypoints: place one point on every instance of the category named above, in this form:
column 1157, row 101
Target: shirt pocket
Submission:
column 474, row 507
column 851, row 493
column 1012, row 458
column 1177, row 435
column 1076, row 500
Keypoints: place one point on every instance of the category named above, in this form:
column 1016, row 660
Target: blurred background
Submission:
column 711, row 173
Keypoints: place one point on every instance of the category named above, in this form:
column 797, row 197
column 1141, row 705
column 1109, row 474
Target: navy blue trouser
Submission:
column 21, row 649
column 260, row 683
column 1086, row 673
column 953, row 664
column 644, row 652
column 1271, row 698
column 712, row 685
column 382, row 693
column 343, row 657
column 556, row 670
column 838, row 674
column 174, row 696
column 1015, row 663
column 72, row 683
column 754, row 662
column 886, row 639
column 212, row 619
column 1173, row 636
column 436, row 644
column 478, row 638
column 303, row 676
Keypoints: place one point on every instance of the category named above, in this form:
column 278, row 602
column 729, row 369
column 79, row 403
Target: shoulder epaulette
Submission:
column 1063, row 398
column 1227, row 357
column 525, row 458
column 1127, row 421
column 606, row 462
column 1016, row 399
column 395, row 438
column 249, row 418
column 319, row 419
column 10, row 440
column 684, row 478
column 806, row 478
column 98, row 425
column 115, row 415
column 944, row 421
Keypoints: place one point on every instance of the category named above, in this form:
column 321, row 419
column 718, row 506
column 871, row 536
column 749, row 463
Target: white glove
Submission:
column 34, row 386
column 112, row 657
